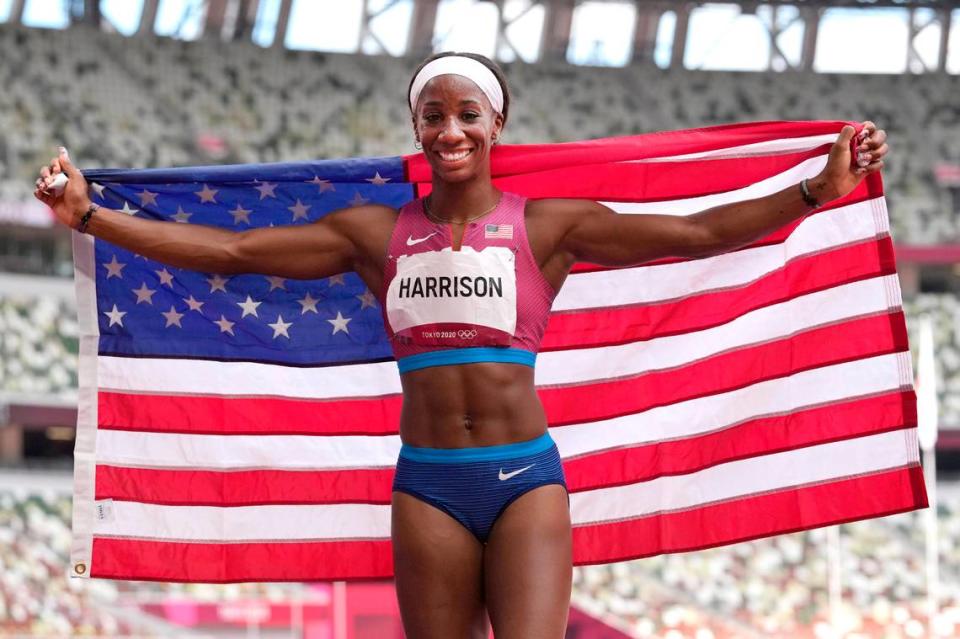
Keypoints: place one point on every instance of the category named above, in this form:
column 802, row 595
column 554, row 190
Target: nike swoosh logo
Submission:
column 411, row 241
column 505, row 476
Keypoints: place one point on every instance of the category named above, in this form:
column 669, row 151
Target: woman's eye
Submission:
column 471, row 116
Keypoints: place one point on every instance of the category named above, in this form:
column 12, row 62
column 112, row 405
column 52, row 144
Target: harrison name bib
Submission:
column 455, row 298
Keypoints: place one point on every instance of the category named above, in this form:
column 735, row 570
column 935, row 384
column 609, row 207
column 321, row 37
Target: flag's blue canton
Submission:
column 148, row 309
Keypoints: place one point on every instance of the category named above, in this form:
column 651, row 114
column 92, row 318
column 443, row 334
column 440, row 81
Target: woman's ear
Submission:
column 416, row 133
column 497, row 126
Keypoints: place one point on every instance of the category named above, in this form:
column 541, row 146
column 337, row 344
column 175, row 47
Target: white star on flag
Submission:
column 97, row 188
column 144, row 294
column 128, row 209
column 115, row 315
column 280, row 327
column 218, row 283
column 249, row 307
column 340, row 323
column 376, row 180
column 207, row 194
column 276, row 282
column 323, row 185
column 193, row 304
column 367, row 298
column 308, row 304
column 147, row 197
column 226, row 326
column 240, row 214
column 266, row 189
column 166, row 277
column 114, row 267
column 299, row 210
column 181, row 216
column 336, row 279
column 358, row 200
column 173, row 317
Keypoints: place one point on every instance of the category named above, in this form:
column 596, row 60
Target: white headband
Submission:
column 469, row 68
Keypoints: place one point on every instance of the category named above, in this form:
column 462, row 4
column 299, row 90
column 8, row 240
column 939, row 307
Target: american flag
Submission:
column 244, row 428
column 498, row 231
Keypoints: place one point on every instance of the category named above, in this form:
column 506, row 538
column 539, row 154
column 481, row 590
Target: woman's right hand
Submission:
column 71, row 204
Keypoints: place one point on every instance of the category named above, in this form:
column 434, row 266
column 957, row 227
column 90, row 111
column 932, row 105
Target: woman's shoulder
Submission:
column 556, row 208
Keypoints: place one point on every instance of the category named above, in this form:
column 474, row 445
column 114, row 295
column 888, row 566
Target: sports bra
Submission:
column 487, row 302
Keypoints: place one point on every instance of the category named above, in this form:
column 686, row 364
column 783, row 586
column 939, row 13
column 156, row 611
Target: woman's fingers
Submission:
column 876, row 140
column 879, row 152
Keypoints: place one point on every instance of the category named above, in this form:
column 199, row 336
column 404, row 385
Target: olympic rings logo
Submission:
column 467, row 334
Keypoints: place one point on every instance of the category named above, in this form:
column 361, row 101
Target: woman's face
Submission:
column 455, row 122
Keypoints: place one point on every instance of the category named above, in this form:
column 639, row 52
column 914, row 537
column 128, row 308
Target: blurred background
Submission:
column 153, row 83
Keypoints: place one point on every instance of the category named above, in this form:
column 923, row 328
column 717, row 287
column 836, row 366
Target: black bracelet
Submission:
column 807, row 196
column 82, row 227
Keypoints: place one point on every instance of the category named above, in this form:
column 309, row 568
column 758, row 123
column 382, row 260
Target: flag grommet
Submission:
column 80, row 568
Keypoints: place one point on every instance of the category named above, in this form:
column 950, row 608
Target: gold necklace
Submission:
column 426, row 209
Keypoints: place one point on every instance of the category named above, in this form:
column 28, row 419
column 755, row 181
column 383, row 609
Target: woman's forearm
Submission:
column 190, row 246
column 731, row 226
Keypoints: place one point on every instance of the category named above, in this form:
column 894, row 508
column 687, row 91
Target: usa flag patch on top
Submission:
column 498, row 231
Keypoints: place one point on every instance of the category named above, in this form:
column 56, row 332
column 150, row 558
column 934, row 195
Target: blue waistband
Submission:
column 466, row 356
column 481, row 453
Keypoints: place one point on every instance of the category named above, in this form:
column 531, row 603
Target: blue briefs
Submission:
column 475, row 485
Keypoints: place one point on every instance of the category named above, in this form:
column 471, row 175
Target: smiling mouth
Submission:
column 451, row 156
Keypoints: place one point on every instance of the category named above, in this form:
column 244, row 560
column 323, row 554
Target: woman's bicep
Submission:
column 307, row 251
column 602, row 236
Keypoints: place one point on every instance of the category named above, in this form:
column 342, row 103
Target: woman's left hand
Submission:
column 842, row 174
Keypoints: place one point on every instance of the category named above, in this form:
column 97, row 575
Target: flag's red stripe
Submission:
column 804, row 275
column 805, row 427
column 243, row 487
column 833, row 344
column 148, row 560
column 653, row 181
column 868, row 189
column 249, row 415
column 791, row 510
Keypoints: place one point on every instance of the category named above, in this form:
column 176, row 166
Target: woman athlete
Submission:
column 480, row 516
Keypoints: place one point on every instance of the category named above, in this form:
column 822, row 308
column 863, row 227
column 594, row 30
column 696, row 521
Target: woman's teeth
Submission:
column 453, row 157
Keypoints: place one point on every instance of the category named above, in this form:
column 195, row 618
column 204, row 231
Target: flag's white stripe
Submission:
column 246, row 523
column 765, row 324
column 682, row 419
column 352, row 521
column 202, row 377
column 555, row 367
column 754, row 149
column 815, row 387
column 661, row 282
column 246, row 452
column 686, row 206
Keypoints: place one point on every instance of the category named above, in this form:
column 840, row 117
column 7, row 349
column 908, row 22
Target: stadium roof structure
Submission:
column 237, row 19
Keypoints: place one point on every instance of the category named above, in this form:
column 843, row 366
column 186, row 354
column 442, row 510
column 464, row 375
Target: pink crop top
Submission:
column 487, row 302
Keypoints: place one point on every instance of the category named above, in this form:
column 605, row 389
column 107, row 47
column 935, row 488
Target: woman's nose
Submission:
column 451, row 129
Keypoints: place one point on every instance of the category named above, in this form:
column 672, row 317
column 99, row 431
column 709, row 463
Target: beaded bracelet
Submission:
column 82, row 227
column 807, row 196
